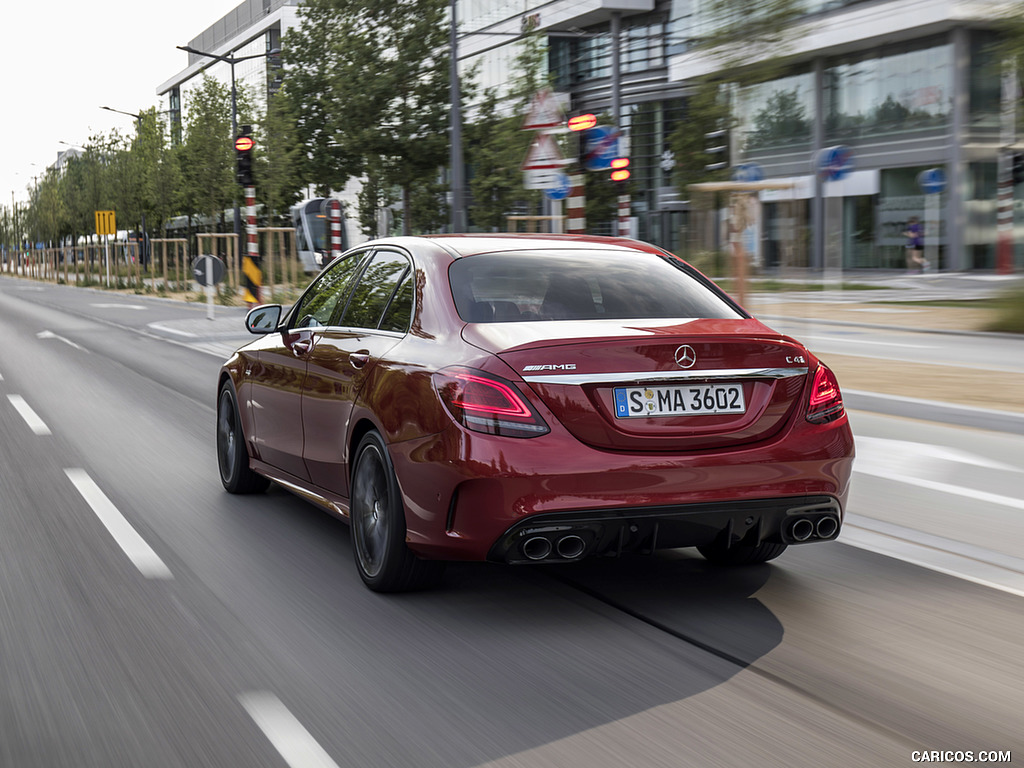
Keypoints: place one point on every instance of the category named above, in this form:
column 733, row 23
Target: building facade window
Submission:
column 898, row 90
column 776, row 115
column 984, row 90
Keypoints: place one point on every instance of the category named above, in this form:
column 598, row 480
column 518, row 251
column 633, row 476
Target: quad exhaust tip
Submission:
column 826, row 527
column 537, row 548
column 570, row 547
column 804, row 529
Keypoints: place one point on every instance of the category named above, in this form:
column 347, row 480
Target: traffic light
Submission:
column 717, row 149
column 582, row 122
column 620, row 169
column 243, row 155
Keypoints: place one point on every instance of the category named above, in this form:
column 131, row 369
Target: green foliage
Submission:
column 749, row 38
column 782, row 118
column 749, row 41
column 369, row 87
column 706, row 111
column 207, row 154
column 495, row 147
column 375, row 195
column 496, row 143
column 279, row 157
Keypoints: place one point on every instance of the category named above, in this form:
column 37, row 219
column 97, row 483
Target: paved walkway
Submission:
column 884, row 308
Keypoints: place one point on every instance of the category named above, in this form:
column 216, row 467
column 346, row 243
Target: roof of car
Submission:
column 474, row 244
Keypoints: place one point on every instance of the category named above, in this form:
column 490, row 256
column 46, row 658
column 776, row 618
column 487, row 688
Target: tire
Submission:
column 232, row 456
column 741, row 555
column 377, row 514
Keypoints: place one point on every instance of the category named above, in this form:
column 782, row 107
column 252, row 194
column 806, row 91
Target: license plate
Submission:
column 684, row 400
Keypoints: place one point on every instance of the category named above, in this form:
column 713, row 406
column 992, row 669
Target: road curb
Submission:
column 884, row 327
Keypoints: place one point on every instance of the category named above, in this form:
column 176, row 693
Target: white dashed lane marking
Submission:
column 31, row 418
column 289, row 737
column 138, row 551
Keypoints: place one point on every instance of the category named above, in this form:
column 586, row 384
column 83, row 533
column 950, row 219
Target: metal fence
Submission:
column 167, row 268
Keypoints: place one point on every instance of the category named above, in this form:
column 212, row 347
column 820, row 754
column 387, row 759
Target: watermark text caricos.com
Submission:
column 960, row 756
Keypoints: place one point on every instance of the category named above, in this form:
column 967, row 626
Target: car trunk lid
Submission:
column 664, row 385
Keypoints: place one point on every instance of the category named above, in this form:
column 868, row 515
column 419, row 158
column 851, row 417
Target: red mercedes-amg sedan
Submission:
column 533, row 399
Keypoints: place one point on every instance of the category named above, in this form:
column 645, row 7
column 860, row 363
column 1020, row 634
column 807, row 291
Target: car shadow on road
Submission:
column 499, row 660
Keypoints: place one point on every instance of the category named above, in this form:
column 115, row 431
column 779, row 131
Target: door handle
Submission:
column 302, row 347
column 359, row 359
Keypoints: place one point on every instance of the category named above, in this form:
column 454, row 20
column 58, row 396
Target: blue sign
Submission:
column 600, row 147
column 561, row 190
column 748, row 172
column 835, row 163
column 932, row 181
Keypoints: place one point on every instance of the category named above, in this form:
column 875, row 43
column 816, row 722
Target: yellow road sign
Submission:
column 105, row 223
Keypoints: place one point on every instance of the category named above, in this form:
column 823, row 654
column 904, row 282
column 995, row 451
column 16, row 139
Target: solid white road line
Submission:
column 970, row 563
column 294, row 743
column 956, row 490
column 31, row 418
column 138, row 551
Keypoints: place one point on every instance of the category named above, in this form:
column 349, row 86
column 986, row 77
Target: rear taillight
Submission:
column 826, row 401
column 485, row 403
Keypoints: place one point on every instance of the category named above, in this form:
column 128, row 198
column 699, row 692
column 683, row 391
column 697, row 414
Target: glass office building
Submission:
column 905, row 85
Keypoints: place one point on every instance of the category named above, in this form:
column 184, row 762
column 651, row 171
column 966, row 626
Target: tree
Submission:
column 207, row 155
column 375, row 197
column 280, row 157
column 496, row 143
column 166, row 181
column 748, row 41
column 314, row 54
column 494, row 148
column 706, row 111
column 369, row 79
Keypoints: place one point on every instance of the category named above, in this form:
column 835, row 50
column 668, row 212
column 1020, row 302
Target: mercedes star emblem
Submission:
column 685, row 356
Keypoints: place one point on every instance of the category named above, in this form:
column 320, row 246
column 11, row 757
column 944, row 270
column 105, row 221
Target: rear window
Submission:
column 613, row 285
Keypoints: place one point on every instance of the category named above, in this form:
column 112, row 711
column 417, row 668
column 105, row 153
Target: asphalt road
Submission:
column 147, row 618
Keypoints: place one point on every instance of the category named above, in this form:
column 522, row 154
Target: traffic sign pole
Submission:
column 209, row 286
column 334, row 214
column 251, row 267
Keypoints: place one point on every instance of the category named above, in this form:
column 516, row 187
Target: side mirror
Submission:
column 263, row 319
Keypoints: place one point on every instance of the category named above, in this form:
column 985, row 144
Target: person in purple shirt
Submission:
column 915, row 242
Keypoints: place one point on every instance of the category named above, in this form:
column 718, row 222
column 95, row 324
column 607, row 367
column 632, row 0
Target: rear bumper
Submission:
column 569, row 536
column 471, row 496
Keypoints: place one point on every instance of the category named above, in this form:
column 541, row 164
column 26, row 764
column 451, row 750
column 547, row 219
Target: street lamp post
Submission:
column 138, row 133
column 458, row 210
column 232, row 60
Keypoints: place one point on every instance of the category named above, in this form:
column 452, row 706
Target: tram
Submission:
column 312, row 233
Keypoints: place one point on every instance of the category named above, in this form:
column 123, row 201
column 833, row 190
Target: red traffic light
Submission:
column 582, row 122
column 244, row 143
column 620, row 169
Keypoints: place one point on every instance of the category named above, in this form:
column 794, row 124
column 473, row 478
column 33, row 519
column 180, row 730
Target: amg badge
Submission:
column 551, row 367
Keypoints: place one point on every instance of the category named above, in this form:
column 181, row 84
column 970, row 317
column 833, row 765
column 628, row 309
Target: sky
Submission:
column 64, row 59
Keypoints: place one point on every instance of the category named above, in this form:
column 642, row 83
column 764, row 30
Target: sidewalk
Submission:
column 854, row 308
column 871, row 309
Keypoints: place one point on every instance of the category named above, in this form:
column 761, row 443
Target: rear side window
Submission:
column 613, row 285
column 374, row 290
